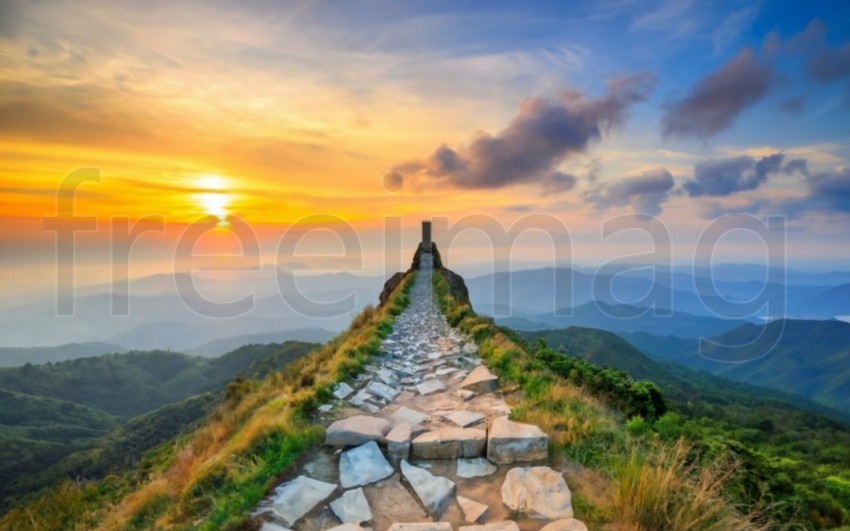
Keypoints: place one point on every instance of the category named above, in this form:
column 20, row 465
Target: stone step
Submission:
column 472, row 510
column 294, row 499
column 514, row 442
column 449, row 443
column 356, row 430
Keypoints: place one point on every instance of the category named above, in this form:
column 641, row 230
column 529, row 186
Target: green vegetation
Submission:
column 212, row 476
column 793, row 456
column 649, row 483
column 45, row 440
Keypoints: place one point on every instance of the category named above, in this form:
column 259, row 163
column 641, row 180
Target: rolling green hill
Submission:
column 793, row 445
column 71, row 423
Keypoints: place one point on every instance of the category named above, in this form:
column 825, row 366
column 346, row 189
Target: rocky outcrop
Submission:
column 389, row 286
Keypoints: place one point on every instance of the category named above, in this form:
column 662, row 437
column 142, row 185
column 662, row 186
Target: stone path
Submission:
column 422, row 441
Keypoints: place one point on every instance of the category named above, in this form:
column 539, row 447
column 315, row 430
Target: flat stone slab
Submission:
column 356, row 430
column 472, row 510
column 411, row 416
column 391, row 502
column 480, row 380
column 464, row 418
column 381, row 389
column 352, row 507
column 475, row 467
column 342, row 391
column 514, row 442
column 433, row 491
column 296, row 498
column 539, row 492
column 426, row 526
column 363, row 465
column 430, row 386
column 495, row 526
column 566, row 524
column 449, row 443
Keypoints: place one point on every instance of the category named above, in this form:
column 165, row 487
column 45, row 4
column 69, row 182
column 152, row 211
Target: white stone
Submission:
column 464, row 418
column 495, row 526
column 566, row 524
column 356, row 430
column 430, row 386
column 472, row 510
column 474, row 468
column 513, row 442
column 433, row 491
column 324, row 408
column 480, row 380
column 411, row 416
column 296, row 498
column 342, row 391
column 352, row 507
column 424, row 526
column 449, row 443
column 539, row 492
column 382, row 390
column 363, row 465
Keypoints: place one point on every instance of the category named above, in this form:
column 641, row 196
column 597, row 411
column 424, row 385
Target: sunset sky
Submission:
column 273, row 111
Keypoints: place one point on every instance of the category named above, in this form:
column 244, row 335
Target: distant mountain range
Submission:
column 620, row 318
column 543, row 291
column 160, row 317
column 15, row 356
column 807, row 358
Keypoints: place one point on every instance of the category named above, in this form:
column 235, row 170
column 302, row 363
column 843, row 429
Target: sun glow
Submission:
column 214, row 199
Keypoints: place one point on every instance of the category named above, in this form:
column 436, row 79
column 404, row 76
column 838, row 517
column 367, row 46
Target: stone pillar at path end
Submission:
column 426, row 236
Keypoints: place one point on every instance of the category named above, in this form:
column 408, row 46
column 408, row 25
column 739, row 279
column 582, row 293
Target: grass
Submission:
column 213, row 477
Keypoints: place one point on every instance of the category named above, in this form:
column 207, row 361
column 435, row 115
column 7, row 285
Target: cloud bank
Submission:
column 718, row 99
column 544, row 134
column 645, row 192
column 724, row 177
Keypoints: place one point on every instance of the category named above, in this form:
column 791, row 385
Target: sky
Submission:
column 284, row 118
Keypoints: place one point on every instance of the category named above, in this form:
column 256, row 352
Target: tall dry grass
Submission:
column 663, row 487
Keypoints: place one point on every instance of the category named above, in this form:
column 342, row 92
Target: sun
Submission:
column 215, row 197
